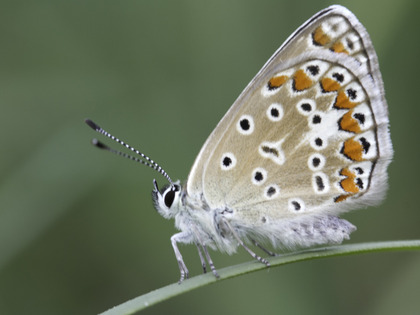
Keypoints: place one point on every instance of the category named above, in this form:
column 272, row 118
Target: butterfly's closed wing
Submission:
column 306, row 140
column 308, row 132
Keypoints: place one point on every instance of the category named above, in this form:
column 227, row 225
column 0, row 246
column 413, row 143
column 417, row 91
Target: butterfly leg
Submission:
column 203, row 262
column 255, row 256
column 200, row 246
column 213, row 269
column 268, row 252
column 180, row 238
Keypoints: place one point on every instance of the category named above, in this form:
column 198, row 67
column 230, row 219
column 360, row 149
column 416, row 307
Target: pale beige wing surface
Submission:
column 307, row 134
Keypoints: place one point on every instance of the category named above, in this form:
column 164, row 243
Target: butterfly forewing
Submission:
column 308, row 132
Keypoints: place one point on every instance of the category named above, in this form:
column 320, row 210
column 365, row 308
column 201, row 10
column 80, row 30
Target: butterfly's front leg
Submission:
column 182, row 237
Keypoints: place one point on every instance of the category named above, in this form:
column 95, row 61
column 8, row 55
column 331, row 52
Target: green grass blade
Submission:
column 172, row 290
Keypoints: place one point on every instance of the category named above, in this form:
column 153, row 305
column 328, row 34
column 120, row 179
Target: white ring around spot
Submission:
column 263, row 173
column 250, row 122
column 321, row 164
column 275, row 194
column 232, row 164
column 314, row 140
column 279, row 108
column 311, row 103
column 325, row 183
column 292, row 206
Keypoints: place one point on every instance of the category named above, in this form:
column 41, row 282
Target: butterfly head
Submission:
column 167, row 199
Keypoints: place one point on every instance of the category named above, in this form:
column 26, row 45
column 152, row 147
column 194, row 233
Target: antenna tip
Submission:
column 91, row 124
column 99, row 144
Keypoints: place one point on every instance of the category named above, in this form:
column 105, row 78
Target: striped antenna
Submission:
column 147, row 161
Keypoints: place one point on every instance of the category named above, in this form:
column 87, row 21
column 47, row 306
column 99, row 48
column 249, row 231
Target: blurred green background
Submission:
column 78, row 233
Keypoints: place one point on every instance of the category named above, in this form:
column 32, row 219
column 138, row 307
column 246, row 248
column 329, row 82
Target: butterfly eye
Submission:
column 170, row 195
column 169, row 198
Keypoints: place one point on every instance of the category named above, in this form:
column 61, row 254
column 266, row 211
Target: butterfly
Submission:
column 307, row 140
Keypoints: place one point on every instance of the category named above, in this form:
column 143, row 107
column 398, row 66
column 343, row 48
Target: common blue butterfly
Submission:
column 307, row 140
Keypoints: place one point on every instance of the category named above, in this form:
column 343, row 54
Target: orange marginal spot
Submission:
column 341, row 198
column 301, row 80
column 342, row 101
column 319, row 37
column 353, row 150
column 276, row 82
column 348, row 183
column 330, row 85
column 348, row 123
column 338, row 47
